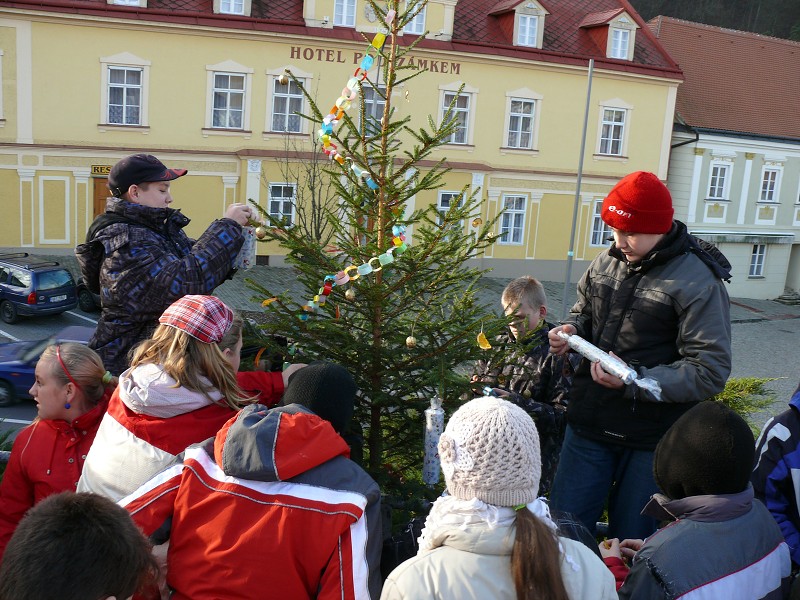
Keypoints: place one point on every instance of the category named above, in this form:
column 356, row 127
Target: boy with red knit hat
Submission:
column 656, row 299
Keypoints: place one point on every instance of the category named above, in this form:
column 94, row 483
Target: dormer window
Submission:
column 614, row 32
column 522, row 19
column 620, row 41
column 233, row 7
column 344, row 13
column 527, row 30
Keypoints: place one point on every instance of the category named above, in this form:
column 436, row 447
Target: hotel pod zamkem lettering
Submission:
column 198, row 83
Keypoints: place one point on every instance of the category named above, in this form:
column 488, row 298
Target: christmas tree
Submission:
column 392, row 297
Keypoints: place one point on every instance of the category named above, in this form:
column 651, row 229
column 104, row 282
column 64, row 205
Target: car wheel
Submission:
column 85, row 301
column 8, row 312
column 7, row 396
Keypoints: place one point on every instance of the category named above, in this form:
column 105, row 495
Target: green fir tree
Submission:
column 408, row 331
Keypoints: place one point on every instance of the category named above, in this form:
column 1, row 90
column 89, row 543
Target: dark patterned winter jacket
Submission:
column 143, row 264
column 538, row 382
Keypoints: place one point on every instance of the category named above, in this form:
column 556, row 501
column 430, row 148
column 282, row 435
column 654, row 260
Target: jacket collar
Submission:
column 155, row 218
column 704, row 509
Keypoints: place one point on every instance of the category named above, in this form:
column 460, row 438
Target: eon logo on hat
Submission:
column 620, row 212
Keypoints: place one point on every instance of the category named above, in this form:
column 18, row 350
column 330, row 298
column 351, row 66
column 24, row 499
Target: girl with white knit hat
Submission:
column 490, row 536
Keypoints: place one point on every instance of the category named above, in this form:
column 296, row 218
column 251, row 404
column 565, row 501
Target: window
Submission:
column 460, row 113
column 612, row 131
column 127, row 2
column 512, row 222
column 757, row 260
column 124, row 96
column 520, row 124
column 281, row 202
column 718, row 182
column 446, row 201
column 228, row 97
column 287, row 105
column 416, row 26
column 528, row 30
column 601, row 232
column 232, row 7
column 374, row 104
column 770, row 180
column 620, row 42
column 344, row 13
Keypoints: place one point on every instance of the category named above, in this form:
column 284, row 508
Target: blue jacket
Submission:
column 143, row 265
column 777, row 457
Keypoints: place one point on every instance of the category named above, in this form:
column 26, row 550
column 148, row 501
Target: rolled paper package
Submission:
column 434, row 426
column 611, row 364
column 247, row 255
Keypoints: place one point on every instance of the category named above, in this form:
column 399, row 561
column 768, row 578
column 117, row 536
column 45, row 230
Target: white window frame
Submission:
column 449, row 90
column 374, row 104
column 512, row 220
column 344, row 13
column 510, row 114
column 527, row 31
column 461, row 114
column 126, row 88
column 288, row 125
column 229, row 68
column 758, row 258
column 416, row 26
column 601, row 230
column 304, row 78
column 769, row 191
column 124, row 60
column 447, row 195
column 617, row 106
column 717, row 190
column 282, row 200
column 620, row 43
column 234, row 100
column 231, row 7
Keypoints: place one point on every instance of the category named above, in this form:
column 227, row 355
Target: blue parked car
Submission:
column 18, row 361
column 32, row 286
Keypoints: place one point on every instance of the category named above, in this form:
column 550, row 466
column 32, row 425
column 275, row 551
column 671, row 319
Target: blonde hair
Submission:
column 525, row 289
column 188, row 361
column 85, row 366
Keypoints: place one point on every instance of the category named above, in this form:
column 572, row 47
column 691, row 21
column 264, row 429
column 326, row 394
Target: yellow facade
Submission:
column 57, row 144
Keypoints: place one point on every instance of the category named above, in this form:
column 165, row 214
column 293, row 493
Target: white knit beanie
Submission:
column 490, row 451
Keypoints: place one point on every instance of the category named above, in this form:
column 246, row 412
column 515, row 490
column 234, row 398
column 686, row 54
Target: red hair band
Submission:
column 66, row 372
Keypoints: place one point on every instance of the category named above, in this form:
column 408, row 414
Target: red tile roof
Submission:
column 475, row 30
column 734, row 80
column 599, row 18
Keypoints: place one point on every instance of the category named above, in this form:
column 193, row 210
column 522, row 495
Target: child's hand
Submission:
column 629, row 548
column 610, row 549
column 557, row 345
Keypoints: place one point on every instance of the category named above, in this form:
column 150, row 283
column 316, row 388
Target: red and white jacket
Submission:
column 270, row 507
column 150, row 422
column 46, row 458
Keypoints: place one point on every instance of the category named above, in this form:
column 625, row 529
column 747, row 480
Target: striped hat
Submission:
column 205, row 318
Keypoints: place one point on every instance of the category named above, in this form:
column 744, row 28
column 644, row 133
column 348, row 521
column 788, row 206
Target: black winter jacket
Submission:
column 668, row 317
column 143, row 265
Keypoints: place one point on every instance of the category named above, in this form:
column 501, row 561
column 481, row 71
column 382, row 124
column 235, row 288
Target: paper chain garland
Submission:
column 353, row 272
column 345, row 101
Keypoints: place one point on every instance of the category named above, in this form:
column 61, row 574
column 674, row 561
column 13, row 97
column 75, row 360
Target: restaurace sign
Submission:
column 345, row 56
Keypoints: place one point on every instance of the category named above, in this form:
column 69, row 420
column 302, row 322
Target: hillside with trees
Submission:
column 777, row 18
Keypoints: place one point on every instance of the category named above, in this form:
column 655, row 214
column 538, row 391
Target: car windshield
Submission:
column 50, row 280
column 34, row 351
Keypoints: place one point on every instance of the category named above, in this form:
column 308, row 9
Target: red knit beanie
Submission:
column 639, row 203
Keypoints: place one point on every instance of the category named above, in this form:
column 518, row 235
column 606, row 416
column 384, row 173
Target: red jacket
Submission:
column 47, row 457
column 270, row 507
column 265, row 386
